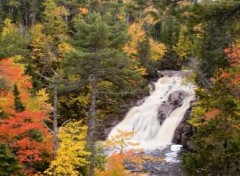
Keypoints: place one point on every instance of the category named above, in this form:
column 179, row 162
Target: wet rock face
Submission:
column 184, row 131
column 174, row 101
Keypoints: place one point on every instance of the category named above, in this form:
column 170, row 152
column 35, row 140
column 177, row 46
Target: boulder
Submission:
column 174, row 101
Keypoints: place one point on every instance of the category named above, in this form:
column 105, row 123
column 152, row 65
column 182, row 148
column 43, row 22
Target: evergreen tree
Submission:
column 9, row 163
column 18, row 105
column 99, row 59
column 211, row 25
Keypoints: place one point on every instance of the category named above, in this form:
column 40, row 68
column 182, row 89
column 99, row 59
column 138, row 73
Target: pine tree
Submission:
column 99, row 58
column 18, row 105
column 9, row 163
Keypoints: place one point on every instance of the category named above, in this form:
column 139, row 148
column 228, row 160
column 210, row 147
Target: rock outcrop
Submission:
column 184, row 131
column 174, row 101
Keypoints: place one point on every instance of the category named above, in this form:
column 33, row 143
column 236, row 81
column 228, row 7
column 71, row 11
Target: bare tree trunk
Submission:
column 92, row 117
column 26, row 18
column 127, row 18
column 55, row 116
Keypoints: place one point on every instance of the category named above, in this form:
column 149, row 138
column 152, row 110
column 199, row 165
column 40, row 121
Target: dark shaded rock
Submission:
column 140, row 102
column 190, row 146
column 184, row 131
column 107, row 131
column 164, row 110
column 176, row 98
column 174, row 101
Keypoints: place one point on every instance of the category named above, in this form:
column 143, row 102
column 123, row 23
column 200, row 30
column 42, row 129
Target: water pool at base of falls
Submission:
column 170, row 166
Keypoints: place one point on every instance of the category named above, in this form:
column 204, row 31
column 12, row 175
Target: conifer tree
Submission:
column 18, row 105
column 99, row 58
column 9, row 163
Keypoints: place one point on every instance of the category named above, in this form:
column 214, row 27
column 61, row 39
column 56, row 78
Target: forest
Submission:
column 70, row 68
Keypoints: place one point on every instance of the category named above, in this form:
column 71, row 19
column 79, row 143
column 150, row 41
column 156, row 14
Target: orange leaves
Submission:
column 225, row 75
column 116, row 164
column 212, row 113
column 29, row 150
column 60, row 11
column 83, row 10
column 13, row 72
column 233, row 53
column 137, row 35
column 232, row 76
column 23, row 131
column 123, row 156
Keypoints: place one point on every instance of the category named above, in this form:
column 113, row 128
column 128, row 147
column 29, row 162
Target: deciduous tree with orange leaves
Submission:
column 22, row 129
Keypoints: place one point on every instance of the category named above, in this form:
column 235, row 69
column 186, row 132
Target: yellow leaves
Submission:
column 120, row 141
column 8, row 28
column 142, row 71
column 137, row 35
column 198, row 28
column 40, row 42
column 83, row 10
column 44, row 45
column 60, row 11
column 183, row 46
column 148, row 17
column 71, row 154
column 115, row 165
column 65, row 48
column 39, row 102
column 157, row 50
column 82, row 100
column 136, row 31
column 106, row 85
column 184, row 3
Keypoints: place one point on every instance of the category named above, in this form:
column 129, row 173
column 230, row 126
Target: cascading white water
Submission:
column 143, row 120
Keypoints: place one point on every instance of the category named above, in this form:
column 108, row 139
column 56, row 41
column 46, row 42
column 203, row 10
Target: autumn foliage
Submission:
column 23, row 131
column 72, row 154
column 125, row 153
column 232, row 75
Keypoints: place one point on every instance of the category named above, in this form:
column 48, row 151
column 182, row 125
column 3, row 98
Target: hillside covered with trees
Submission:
column 69, row 68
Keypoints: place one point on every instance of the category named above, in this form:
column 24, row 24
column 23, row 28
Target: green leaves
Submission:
column 13, row 40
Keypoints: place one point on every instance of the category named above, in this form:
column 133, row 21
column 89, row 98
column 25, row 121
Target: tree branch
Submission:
column 51, row 131
column 47, row 78
column 66, row 122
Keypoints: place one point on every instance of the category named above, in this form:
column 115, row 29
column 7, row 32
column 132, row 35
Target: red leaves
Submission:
column 16, row 132
column 29, row 150
column 212, row 113
column 233, row 53
column 13, row 73
column 232, row 76
column 22, row 131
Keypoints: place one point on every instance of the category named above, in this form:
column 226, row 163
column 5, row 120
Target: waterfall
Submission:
column 153, row 123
